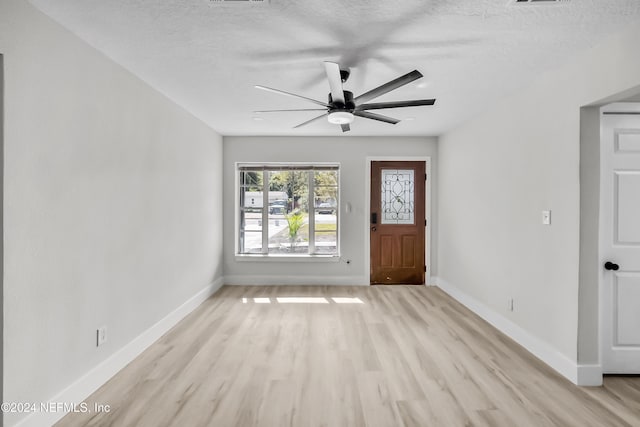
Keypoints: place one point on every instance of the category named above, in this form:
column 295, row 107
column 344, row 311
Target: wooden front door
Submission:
column 397, row 223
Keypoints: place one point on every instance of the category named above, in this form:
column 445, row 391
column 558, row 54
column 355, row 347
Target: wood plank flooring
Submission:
column 381, row 356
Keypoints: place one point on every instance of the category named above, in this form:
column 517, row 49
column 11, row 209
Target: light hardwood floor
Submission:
column 405, row 356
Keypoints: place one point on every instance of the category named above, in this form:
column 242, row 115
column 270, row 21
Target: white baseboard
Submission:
column 296, row 280
column 92, row 380
column 580, row 375
column 589, row 375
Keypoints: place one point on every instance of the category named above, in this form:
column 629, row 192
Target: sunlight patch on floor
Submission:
column 305, row 300
column 302, row 300
column 345, row 300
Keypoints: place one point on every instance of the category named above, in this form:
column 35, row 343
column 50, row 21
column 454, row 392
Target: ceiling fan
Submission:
column 341, row 107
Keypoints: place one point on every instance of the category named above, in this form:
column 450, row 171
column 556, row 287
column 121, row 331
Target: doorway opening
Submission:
column 594, row 277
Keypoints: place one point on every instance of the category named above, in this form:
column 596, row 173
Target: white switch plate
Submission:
column 101, row 336
column 546, row 217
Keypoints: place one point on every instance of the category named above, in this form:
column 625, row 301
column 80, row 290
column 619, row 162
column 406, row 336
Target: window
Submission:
column 298, row 215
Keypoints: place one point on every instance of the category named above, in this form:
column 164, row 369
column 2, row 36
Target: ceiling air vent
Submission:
column 547, row 2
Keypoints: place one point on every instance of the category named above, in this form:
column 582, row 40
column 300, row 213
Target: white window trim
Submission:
column 302, row 258
column 266, row 257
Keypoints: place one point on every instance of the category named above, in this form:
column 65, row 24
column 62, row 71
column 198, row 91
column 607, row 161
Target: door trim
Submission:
column 427, row 211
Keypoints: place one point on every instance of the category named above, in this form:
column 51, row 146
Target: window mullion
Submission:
column 311, row 202
column 265, row 212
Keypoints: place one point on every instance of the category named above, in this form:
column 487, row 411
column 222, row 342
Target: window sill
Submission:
column 286, row 258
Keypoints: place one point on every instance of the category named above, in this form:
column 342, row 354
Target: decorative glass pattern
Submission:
column 397, row 196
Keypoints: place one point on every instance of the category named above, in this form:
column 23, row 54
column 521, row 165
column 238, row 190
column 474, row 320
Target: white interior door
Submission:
column 620, row 242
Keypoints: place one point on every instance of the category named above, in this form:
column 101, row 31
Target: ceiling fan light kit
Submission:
column 342, row 107
column 340, row 117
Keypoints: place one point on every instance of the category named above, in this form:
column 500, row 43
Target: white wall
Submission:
column 112, row 206
column 351, row 153
column 500, row 170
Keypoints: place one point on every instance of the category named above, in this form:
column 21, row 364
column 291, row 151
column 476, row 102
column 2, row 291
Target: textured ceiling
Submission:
column 207, row 56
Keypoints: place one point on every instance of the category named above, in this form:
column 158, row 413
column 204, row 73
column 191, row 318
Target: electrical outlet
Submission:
column 510, row 306
column 101, row 336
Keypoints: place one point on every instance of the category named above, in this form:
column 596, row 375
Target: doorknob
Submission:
column 611, row 266
column 373, row 229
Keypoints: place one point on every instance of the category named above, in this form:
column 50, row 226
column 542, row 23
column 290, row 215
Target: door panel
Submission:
column 397, row 233
column 627, row 317
column 620, row 243
column 386, row 257
column 628, row 140
column 626, row 206
column 408, row 251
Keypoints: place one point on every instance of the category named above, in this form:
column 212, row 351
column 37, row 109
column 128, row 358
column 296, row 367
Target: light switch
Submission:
column 546, row 217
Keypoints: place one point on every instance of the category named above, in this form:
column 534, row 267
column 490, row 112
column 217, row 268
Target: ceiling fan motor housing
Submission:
column 348, row 102
column 344, row 75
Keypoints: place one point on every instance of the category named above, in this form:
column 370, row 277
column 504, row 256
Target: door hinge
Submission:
column 425, row 176
column 425, row 222
column 425, row 268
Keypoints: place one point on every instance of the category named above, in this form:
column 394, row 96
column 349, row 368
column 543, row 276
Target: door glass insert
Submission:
column 397, row 196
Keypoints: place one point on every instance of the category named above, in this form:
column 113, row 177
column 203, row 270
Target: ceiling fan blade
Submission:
column 335, row 81
column 381, row 105
column 375, row 116
column 279, row 111
column 309, row 121
column 282, row 92
column 345, row 127
column 389, row 86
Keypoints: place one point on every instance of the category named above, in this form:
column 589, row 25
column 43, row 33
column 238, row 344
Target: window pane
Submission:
column 326, row 190
column 251, row 179
column 278, row 210
column 325, row 206
column 288, row 228
column 326, row 236
column 250, row 230
column 326, row 200
column 325, row 178
column 250, row 212
column 251, row 219
column 251, row 242
column 326, row 242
